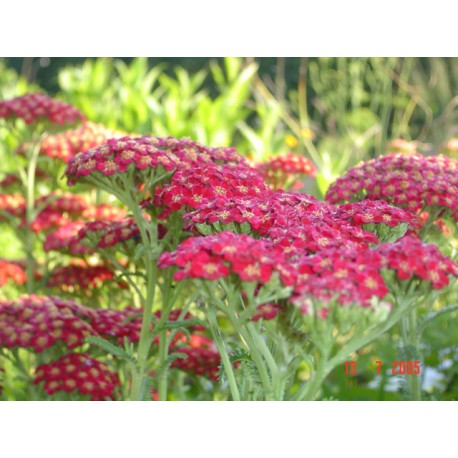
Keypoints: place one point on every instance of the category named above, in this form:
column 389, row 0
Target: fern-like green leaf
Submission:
column 111, row 349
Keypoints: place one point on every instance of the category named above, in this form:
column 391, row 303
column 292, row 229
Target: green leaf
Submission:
column 171, row 358
column 182, row 323
column 111, row 349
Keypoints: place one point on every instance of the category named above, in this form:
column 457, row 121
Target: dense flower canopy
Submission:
column 146, row 153
column 375, row 211
column 80, row 276
column 195, row 187
column 39, row 322
column 107, row 233
column 351, row 275
column 78, row 372
column 67, row 144
column 410, row 257
column 202, row 357
column 31, row 107
column 220, row 255
column 409, row 181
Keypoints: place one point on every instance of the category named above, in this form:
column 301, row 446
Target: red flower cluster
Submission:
column 127, row 323
column 80, row 276
column 267, row 311
column 375, row 211
column 78, row 372
column 119, row 324
column 192, row 153
column 65, row 202
column 13, row 204
column 107, row 233
column 296, row 222
column 409, row 181
column 285, row 168
column 350, row 275
column 55, row 210
column 410, row 257
column 313, row 238
column 116, row 155
column 262, row 213
column 202, row 357
column 46, row 220
column 217, row 256
column 65, row 238
column 252, row 210
column 71, row 142
column 13, row 178
column 193, row 188
column 104, row 212
column 40, row 322
column 31, row 107
column 10, row 271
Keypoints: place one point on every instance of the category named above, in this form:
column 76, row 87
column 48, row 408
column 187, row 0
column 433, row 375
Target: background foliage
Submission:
column 336, row 111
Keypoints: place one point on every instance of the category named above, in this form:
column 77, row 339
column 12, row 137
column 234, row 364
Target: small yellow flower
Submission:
column 291, row 141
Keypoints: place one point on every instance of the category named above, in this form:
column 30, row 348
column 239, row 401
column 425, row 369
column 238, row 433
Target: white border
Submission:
column 193, row 429
column 234, row 28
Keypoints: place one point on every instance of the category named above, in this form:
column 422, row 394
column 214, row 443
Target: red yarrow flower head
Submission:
column 193, row 154
column 79, row 373
column 67, row 144
column 412, row 182
column 267, row 311
column 39, row 322
column 118, row 156
column 217, row 256
column 202, row 356
column 54, row 210
column 285, row 170
column 63, row 202
column 33, row 107
column 64, row 239
column 350, row 275
column 11, row 204
column 409, row 257
column 104, row 212
column 80, row 276
column 106, row 234
column 377, row 212
column 199, row 186
column 11, row 271
column 127, row 323
column 13, row 180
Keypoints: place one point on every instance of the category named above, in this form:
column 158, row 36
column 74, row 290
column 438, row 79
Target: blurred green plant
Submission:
column 434, row 82
column 137, row 99
column 11, row 85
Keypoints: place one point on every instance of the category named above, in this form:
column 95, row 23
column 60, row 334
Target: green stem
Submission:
column 151, row 280
column 163, row 340
column 411, row 341
column 277, row 384
column 29, row 244
column 309, row 390
column 223, row 353
column 244, row 334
